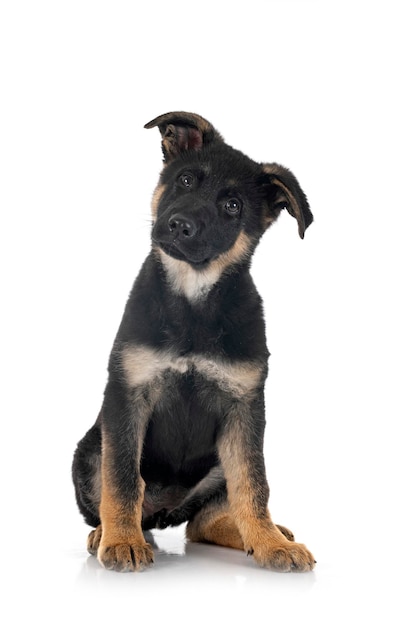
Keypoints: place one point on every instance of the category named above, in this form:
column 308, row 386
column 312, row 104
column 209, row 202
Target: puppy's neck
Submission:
column 184, row 280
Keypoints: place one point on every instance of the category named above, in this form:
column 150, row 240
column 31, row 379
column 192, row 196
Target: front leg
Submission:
column 122, row 546
column 241, row 455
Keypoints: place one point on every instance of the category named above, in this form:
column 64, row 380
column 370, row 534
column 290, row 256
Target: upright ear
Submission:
column 284, row 192
column 182, row 131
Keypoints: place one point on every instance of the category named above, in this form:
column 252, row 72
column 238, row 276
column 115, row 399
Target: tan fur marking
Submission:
column 196, row 285
column 117, row 523
column 240, row 250
column 260, row 536
column 143, row 365
column 275, row 169
column 156, row 198
column 238, row 474
column 119, row 526
column 237, row 378
column 122, row 544
column 215, row 525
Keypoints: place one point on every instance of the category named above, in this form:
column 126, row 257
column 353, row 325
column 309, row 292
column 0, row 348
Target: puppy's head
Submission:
column 213, row 203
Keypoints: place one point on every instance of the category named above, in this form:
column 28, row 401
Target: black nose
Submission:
column 182, row 227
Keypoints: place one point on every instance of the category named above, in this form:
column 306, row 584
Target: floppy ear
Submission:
column 183, row 131
column 284, row 192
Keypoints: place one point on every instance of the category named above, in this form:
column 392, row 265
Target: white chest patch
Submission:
column 183, row 279
column 143, row 366
column 196, row 284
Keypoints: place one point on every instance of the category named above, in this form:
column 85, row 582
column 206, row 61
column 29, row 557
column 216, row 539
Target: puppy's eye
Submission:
column 187, row 180
column 233, row 206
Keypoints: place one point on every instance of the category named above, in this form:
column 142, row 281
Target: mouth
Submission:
column 174, row 251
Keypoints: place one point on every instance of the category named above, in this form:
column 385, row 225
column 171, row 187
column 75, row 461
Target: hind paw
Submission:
column 93, row 540
column 286, row 532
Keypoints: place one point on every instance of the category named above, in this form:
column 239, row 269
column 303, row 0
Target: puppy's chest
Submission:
column 144, row 366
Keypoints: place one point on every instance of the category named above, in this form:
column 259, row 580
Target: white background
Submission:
column 325, row 88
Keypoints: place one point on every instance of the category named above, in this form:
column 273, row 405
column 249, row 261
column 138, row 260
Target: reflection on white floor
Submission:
column 210, row 583
column 224, row 584
column 176, row 560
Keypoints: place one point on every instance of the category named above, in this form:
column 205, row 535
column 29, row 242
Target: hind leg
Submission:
column 215, row 524
column 86, row 474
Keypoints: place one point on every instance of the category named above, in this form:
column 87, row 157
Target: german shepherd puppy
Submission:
column 179, row 437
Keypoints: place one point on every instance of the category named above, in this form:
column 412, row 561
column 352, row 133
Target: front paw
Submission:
column 126, row 557
column 288, row 557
